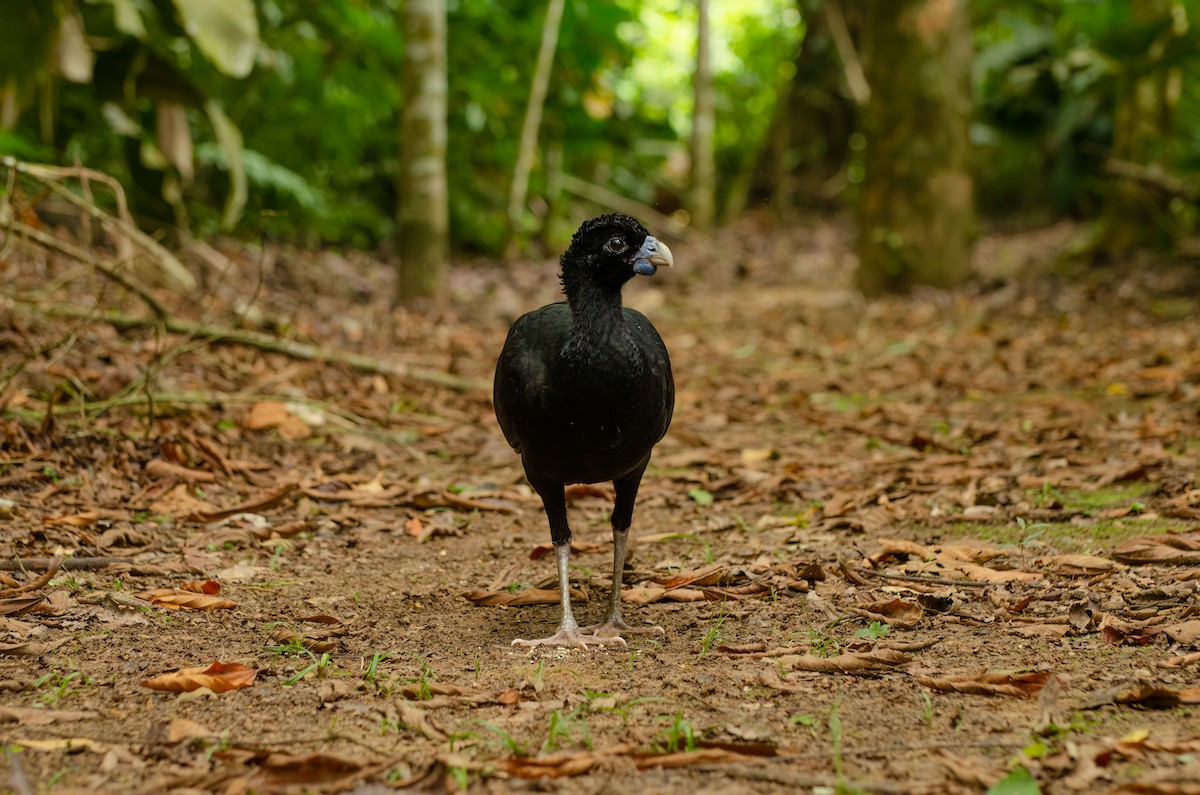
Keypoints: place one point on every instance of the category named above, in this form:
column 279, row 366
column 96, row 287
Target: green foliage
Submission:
column 294, row 106
column 679, row 736
column 1019, row 781
column 874, row 631
column 291, row 108
column 1047, row 81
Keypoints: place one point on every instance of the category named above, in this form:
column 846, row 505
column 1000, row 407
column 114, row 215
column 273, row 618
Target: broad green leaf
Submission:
column 229, row 138
column 1017, row 782
column 701, row 497
column 224, row 30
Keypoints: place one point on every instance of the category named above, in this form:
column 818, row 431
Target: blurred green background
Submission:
column 288, row 110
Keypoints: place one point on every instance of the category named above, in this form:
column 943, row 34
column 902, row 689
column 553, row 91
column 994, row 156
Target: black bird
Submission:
column 583, row 392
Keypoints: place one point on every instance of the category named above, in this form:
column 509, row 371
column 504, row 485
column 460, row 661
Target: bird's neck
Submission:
column 596, row 316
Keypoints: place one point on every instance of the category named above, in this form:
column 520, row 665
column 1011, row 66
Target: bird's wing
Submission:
column 651, row 345
column 522, row 371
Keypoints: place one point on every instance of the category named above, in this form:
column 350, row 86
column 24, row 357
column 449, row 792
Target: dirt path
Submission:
column 917, row 545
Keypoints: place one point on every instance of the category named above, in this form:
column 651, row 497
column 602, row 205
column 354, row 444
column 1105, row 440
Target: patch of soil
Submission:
column 918, row 544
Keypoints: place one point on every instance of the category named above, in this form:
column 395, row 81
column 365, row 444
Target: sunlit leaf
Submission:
column 225, row 30
column 218, row 677
column 229, row 138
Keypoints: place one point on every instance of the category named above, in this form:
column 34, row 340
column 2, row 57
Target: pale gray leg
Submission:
column 568, row 633
column 614, row 622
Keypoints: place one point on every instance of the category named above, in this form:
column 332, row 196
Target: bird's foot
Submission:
column 573, row 638
column 615, row 627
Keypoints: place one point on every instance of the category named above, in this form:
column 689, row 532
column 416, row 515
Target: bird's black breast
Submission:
column 586, row 411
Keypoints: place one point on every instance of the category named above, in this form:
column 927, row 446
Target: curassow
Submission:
column 583, row 392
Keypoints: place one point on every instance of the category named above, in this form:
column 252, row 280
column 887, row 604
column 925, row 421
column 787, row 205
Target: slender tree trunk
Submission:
column 1135, row 213
column 915, row 210
column 423, row 222
column 703, row 188
column 531, row 125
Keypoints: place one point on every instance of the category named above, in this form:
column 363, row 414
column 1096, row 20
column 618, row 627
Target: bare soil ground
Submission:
column 922, row 544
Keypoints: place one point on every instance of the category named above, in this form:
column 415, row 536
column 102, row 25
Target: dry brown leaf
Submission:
column 321, row 619
column 1116, row 633
column 528, row 596
column 1181, row 662
column 68, row 744
column 1154, row 696
column 179, row 502
column 415, row 691
column 700, row 756
column 988, row 684
column 174, row 599
column 19, row 605
column 1166, row 549
column 1079, row 565
column 285, row 636
column 966, row 552
column 712, row 574
column 210, row 587
column 415, row 718
column 159, row 468
column 30, row 716
column 755, row 649
column 270, row 414
column 219, row 677
column 554, row 766
column 892, row 548
column 310, row 770
column 181, row 730
column 895, row 612
column 31, row 648
column 85, row 519
column 858, row 663
column 123, row 540
column 644, row 595
column 983, row 574
column 1185, row 634
column 255, row 504
column 752, row 590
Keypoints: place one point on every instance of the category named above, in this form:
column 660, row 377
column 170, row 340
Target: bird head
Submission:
column 610, row 250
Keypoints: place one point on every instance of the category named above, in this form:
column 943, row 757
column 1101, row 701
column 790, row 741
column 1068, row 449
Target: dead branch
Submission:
column 852, row 70
column 266, row 342
column 51, row 567
column 623, row 204
column 1152, row 174
column 87, row 258
column 879, row 575
column 178, row 276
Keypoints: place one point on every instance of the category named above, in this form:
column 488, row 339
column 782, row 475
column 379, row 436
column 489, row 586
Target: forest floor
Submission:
column 912, row 545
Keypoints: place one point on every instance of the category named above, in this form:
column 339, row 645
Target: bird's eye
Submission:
column 615, row 246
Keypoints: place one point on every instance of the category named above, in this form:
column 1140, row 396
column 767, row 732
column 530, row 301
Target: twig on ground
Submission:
column 266, row 342
column 52, row 566
column 879, row 575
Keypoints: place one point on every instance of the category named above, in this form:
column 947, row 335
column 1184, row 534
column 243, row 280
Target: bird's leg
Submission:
column 622, row 517
column 568, row 633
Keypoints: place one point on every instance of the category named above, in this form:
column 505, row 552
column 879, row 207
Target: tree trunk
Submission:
column 915, row 210
column 531, row 125
column 1135, row 212
column 703, row 188
column 423, row 218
